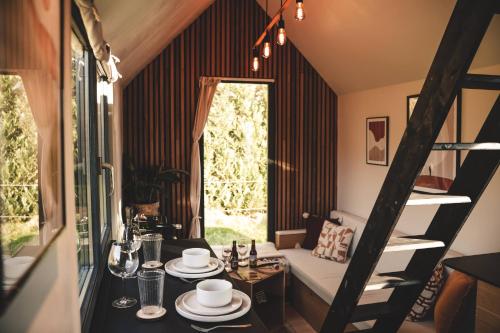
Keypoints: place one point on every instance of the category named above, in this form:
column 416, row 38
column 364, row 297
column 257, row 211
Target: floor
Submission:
column 295, row 323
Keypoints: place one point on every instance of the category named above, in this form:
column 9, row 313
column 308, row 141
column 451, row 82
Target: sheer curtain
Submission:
column 208, row 86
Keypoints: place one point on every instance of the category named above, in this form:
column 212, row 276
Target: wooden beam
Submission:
column 273, row 22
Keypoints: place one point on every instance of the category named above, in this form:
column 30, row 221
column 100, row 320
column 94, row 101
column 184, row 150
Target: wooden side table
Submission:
column 267, row 293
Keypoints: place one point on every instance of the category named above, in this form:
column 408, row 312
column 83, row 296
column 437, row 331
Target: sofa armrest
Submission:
column 287, row 239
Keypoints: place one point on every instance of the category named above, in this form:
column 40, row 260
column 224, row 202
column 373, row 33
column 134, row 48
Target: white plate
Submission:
column 170, row 269
column 191, row 304
column 245, row 307
column 179, row 266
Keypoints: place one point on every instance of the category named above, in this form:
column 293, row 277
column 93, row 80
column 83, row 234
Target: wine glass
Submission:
column 123, row 261
column 242, row 250
column 226, row 255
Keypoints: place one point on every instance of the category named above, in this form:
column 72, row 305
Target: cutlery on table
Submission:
column 190, row 281
column 201, row 329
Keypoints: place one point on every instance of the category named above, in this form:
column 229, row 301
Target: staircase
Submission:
column 447, row 75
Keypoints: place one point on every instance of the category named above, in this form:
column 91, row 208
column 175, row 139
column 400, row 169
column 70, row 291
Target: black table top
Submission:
column 109, row 319
column 484, row 267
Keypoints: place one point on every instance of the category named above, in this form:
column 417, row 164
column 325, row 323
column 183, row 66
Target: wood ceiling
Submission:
column 354, row 44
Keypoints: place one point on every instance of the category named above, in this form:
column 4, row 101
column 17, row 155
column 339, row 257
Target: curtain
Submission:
column 208, row 86
column 101, row 48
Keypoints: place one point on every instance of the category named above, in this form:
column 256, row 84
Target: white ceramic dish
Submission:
column 191, row 304
column 169, row 268
column 195, row 257
column 180, row 267
column 245, row 307
column 214, row 293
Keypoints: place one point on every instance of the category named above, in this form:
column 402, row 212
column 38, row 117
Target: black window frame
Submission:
column 101, row 240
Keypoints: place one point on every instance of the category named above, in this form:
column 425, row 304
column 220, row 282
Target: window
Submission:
column 235, row 164
column 19, row 215
column 80, row 110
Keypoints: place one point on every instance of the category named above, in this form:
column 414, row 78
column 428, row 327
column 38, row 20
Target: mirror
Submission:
column 31, row 185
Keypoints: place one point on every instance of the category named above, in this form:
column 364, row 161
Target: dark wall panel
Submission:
column 160, row 106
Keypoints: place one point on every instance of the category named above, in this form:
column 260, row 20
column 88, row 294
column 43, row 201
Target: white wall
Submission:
column 360, row 183
column 48, row 302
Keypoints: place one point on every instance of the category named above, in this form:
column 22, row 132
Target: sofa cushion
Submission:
column 314, row 224
column 354, row 222
column 333, row 242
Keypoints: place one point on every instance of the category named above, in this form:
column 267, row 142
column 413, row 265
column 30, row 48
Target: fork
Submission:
column 191, row 281
column 201, row 329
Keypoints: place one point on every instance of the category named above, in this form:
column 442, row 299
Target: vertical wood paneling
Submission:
column 160, row 106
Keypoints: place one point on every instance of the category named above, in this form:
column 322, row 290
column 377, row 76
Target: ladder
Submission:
column 447, row 75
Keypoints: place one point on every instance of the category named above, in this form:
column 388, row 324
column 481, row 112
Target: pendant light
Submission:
column 300, row 14
column 266, row 49
column 281, row 38
column 255, row 60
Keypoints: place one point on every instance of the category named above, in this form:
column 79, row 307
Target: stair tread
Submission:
column 370, row 311
column 466, row 146
column 411, row 243
column 389, row 280
column 419, row 199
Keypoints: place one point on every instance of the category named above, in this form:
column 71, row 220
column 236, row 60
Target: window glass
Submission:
column 81, row 157
column 19, row 215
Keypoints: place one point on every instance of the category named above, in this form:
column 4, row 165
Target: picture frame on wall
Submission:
column 377, row 141
column 441, row 167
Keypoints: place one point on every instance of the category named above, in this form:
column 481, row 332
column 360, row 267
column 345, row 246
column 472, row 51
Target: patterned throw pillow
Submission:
column 427, row 298
column 333, row 242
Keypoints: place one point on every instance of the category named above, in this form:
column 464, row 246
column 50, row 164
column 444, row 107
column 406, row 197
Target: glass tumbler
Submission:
column 151, row 249
column 151, row 290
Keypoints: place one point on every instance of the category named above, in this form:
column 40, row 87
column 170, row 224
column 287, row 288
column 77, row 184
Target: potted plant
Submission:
column 143, row 187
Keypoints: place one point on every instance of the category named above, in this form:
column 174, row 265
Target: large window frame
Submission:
column 101, row 236
column 271, row 151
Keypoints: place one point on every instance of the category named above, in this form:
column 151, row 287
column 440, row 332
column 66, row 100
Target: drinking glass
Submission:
column 226, row 255
column 123, row 261
column 151, row 249
column 242, row 250
column 151, row 290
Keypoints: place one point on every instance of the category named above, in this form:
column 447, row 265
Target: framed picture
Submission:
column 31, row 162
column 377, row 141
column 441, row 167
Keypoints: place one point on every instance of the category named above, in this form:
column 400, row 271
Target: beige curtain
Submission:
column 41, row 91
column 208, row 86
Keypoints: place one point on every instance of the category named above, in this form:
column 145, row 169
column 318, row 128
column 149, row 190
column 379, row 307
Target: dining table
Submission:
column 108, row 319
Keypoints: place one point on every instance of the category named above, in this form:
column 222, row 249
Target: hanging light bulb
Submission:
column 266, row 50
column 281, row 32
column 300, row 14
column 255, row 60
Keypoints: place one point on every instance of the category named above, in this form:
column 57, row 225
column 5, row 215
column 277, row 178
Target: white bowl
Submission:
column 214, row 293
column 195, row 257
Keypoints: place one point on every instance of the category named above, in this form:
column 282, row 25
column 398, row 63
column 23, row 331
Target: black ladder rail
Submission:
column 481, row 81
column 461, row 40
column 472, row 178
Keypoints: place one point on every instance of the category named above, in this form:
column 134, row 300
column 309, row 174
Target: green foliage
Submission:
column 18, row 163
column 235, row 148
column 145, row 185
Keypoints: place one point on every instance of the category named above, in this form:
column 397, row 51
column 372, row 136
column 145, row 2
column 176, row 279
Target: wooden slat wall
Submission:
column 160, row 106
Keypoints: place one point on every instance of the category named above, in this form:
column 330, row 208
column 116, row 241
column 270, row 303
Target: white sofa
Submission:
column 323, row 277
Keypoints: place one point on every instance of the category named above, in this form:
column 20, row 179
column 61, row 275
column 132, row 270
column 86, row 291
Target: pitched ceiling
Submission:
column 353, row 44
column 138, row 30
column 362, row 44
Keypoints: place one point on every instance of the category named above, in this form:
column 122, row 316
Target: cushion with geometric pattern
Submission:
column 425, row 302
column 334, row 242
